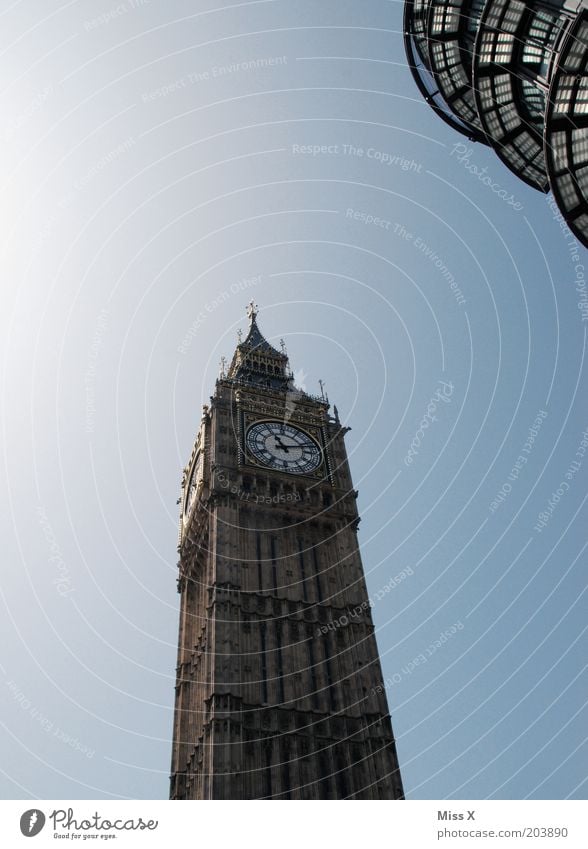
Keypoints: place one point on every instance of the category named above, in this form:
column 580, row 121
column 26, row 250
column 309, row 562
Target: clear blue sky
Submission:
column 162, row 165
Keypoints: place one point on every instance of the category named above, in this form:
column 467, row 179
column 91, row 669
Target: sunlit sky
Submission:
column 163, row 164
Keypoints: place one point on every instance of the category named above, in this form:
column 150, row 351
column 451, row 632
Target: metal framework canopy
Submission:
column 566, row 129
column 512, row 75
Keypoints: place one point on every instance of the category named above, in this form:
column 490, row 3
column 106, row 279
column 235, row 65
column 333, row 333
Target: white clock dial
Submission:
column 283, row 447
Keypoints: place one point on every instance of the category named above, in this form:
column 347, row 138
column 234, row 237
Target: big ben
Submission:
column 279, row 690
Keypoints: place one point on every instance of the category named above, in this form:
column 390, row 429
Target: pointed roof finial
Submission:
column 282, row 346
column 252, row 310
column 322, row 386
column 239, row 335
column 223, row 367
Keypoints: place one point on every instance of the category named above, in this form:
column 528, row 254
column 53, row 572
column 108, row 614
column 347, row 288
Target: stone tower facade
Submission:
column 279, row 687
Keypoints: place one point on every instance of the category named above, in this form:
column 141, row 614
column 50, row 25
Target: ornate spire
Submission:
column 256, row 340
column 257, row 362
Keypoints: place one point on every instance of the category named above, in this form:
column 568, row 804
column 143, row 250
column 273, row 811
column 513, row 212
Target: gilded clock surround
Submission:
column 314, row 434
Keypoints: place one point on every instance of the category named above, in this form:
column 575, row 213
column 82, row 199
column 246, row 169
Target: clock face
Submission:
column 283, row 447
column 195, row 479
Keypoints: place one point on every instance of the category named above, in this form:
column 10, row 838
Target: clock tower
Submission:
column 279, row 690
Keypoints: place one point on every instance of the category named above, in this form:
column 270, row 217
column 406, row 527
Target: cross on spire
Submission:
column 252, row 310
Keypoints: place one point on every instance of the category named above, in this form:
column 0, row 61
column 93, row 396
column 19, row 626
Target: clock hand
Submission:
column 280, row 444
